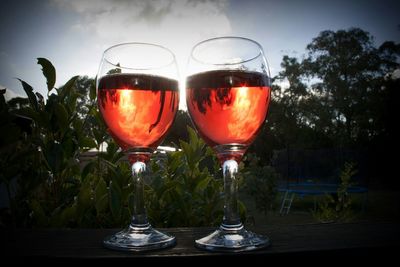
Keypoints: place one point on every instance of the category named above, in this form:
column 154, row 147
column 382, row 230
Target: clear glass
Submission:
column 138, row 96
column 228, row 94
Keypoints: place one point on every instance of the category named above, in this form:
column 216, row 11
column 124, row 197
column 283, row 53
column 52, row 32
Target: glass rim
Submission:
column 261, row 51
column 172, row 61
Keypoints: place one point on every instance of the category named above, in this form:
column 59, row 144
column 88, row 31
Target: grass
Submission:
column 375, row 205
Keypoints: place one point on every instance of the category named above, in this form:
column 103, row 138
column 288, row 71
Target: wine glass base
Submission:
column 232, row 240
column 142, row 238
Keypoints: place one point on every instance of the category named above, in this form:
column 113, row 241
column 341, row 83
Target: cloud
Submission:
column 152, row 20
column 176, row 24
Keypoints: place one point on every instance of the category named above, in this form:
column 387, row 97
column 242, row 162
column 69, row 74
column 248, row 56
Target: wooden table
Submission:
column 289, row 242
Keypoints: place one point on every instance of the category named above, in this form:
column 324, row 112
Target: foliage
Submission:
column 338, row 207
column 342, row 94
column 175, row 133
column 15, row 153
column 334, row 96
column 184, row 190
column 53, row 188
column 261, row 183
column 349, row 68
column 47, row 175
column 180, row 189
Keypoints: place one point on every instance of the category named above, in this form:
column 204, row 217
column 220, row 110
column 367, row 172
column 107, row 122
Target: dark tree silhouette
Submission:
column 178, row 130
column 351, row 72
column 341, row 95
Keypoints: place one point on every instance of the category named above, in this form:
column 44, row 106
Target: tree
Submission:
column 351, row 72
column 341, row 95
column 290, row 122
column 84, row 86
column 178, row 129
column 292, row 117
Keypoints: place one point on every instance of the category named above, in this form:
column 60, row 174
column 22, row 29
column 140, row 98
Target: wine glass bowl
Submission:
column 228, row 94
column 138, row 97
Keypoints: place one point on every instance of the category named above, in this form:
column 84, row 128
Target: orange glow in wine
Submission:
column 228, row 107
column 138, row 109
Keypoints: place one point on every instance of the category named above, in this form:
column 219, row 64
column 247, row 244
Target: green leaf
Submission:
column 101, row 189
column 31, row 96
column 67, row 215
column 85, row 195
column 89, row 168
column 62, row 116
column 48, row 71
column 78, row 125
column 186, row 150
column 44, row 120
column 87, row 142
column 54, row 155
column 65, row 90
column 40, row 100
column 92, row 92
column 69, row 147
column 193, row 138
column 99, row 136
column 115, row 200
column 242, row 210
column 203, row 184
column 39, row 214
column 101, row 204
column 72, row 101
column 28, row 112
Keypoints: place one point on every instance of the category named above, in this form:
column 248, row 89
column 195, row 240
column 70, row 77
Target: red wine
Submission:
column 228, row 107
column 138, row 109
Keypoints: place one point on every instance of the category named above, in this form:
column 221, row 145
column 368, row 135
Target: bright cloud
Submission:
column 176, row 24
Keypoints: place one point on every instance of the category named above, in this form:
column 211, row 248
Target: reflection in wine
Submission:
column 228, row 107
column 137, row 116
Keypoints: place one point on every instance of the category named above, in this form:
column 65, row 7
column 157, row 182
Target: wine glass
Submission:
column 227, row 94
column 138, row 96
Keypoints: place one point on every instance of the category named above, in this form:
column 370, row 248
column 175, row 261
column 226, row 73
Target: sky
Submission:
column 73, row 34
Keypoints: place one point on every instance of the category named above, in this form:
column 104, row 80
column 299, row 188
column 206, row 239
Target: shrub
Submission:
column 261, row 183
column 48, row 186
column 338, row 207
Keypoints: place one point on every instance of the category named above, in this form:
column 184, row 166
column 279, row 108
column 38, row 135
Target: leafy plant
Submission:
column 49, row 186
column 338, row 208
column 184, row 190
column 180, row 189
column 261, row 183
column 43, row 162
column 15, row 155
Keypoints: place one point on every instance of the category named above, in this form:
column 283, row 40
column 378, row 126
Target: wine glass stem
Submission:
column 139, row 217
column 231, row 215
